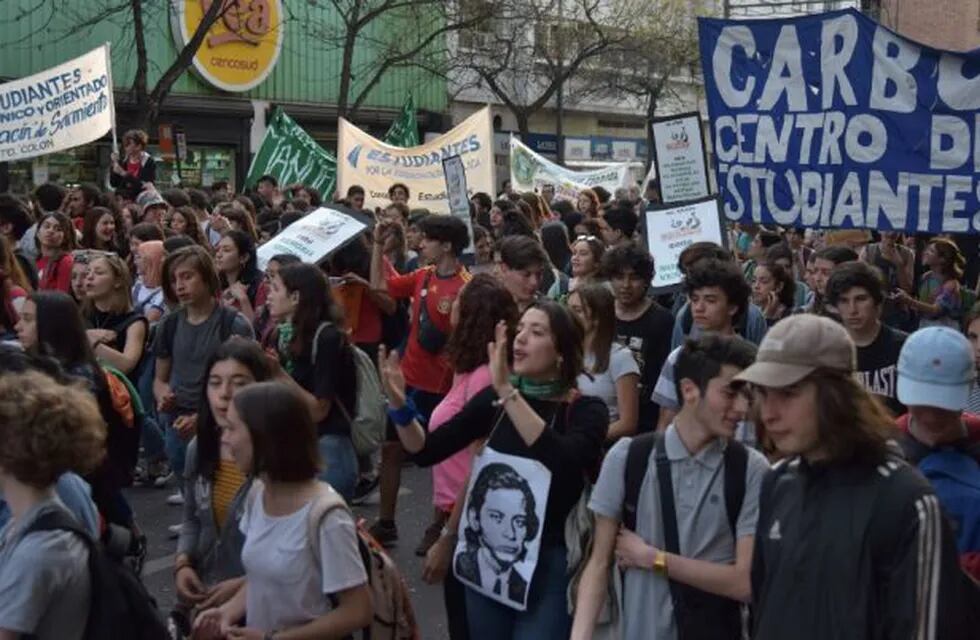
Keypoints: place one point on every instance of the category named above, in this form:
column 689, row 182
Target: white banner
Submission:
column 374, row 165
column 313, row 237
column 670, row 230
column 530, row 171
column 680, row 158
column 60, row 108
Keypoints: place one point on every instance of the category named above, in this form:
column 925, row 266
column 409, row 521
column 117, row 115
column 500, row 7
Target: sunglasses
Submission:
column 85, row 256
column 587, row 239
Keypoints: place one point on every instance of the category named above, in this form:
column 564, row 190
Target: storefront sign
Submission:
column 313, row 237
column 375, row 165
column 241, row 48
column 680, row 157
column 63, row 107
column 530, row 171
column 833, row 120
column 670, row 230
column 291, row 155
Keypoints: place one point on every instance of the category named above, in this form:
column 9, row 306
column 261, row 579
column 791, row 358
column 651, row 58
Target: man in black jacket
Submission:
column 851, row 541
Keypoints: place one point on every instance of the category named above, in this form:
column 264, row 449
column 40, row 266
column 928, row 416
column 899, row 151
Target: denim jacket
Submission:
column 215, row 557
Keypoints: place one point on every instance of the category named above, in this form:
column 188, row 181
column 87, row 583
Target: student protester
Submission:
column 355, row 197
column 482, row 251
column 481, row 304
column 79, row 273
column 717, row 294
column 936, row 372
column 522, row 263
column 618, row 226
column 533, row 411
column 642, row 325
column 701, row 552
column 432, row 290
column 763, row 240
column 17, row 282
column 855, row 290
column 897, row 265
column 47, row 429
column 273, row 439
column 554, row 238
column 901, row 577
column 773, row 291
column 153, row 208
column 18, row 228
column 364, row 309
column 586, row 259
column 780, row 254
column 940, row 301
column 482, row 203
column 183, row 343
column 824, row 262
column 208, row 567
column 147, row 292
column 136, row 166
column 315, row 356
column 116, row 333
column 78, row 201
column 183, row 221
column 265, row 323
column 241, row 281
column 103, row 230
column 268, row 191
column 237, row 219
column 498, row 213
column 540, row 212
column 587, row 204
column 398, row 193
column 143, row 232
column 55, row 242
column 609, row 370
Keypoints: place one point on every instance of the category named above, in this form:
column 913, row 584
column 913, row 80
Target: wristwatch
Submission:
column 660, row 563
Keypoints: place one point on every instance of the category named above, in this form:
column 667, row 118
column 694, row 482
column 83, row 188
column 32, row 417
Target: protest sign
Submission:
column 291, row 155
column 682, row 165
column 376, row 165
column 313, row 237
column 530, row 171
column 671, row 229
column 459, row 198
column 832, row 120
column 60, row 108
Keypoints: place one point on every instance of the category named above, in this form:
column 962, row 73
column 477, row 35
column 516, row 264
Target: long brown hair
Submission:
column 853, row 424
column 483, row 303
column 600, row 304
column 953, row 260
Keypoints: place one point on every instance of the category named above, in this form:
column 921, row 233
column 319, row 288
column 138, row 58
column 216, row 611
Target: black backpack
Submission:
column 699, row 615
column 119, row 600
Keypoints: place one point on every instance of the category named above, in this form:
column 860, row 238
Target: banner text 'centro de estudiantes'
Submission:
column 833, row 120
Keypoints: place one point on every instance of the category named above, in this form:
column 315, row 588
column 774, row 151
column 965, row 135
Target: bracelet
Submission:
column 404, row 415
column 499, row 402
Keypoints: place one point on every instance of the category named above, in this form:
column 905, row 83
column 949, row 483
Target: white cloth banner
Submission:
column 501, row 527
column 313, row 237
column 366, row 161
column 530, row 171
column 60, row 108
column 670, row 230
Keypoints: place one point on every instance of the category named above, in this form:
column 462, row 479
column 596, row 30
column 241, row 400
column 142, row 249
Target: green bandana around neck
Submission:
column 286, row 332
column 538, row 390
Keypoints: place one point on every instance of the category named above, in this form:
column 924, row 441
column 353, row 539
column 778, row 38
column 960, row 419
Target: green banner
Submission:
column 292, row 156
column 404, row 131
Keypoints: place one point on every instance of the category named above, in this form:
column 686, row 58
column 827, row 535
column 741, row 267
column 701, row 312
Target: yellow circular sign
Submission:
column 241, row 47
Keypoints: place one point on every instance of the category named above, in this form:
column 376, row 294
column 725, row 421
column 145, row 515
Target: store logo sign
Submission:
column 243, row 45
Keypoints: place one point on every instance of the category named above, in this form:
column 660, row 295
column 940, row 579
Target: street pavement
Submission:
column 414, row 512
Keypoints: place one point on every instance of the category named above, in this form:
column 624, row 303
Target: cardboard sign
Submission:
column 313, row 237
column 671, row 229
column 682, row 165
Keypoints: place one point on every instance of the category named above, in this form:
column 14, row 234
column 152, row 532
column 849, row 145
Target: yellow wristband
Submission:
column 660, row 563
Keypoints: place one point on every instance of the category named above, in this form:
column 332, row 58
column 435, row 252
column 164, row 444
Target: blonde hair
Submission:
column 122, row 298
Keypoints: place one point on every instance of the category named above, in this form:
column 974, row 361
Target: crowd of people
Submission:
column 785, row 446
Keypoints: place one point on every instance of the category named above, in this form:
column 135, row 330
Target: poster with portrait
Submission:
column 313, row 237
column 680, row 158
column 500, row 530
column 672, row 228
column 458, row 194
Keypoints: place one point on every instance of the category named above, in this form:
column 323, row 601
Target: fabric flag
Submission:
column 292, row 156
column 404, row 131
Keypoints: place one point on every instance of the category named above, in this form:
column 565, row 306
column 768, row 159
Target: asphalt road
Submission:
column 414, row 511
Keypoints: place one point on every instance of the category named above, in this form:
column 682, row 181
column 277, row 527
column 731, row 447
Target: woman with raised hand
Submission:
column 241, row 280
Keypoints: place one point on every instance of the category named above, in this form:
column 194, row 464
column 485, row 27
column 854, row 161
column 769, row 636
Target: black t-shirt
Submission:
column 648, row 338
column 332, row 377
column 877, row 366
column 118, row 322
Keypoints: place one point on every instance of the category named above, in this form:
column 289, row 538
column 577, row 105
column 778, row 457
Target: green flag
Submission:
column 404, row 131
column 292, row 156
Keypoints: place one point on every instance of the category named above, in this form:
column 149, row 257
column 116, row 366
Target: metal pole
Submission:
column 560, row 97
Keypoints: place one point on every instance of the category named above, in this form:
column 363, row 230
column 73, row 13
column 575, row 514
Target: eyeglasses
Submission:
column 587, row 239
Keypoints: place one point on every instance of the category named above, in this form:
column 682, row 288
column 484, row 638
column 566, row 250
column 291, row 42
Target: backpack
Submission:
column 394, row 617
column 699, row 615
column 367, row 425
column 128, row 408
column 119, row 600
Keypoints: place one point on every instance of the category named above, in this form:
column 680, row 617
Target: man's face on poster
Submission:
column 502, row 523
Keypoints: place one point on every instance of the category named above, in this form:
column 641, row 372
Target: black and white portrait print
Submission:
column 500, row 531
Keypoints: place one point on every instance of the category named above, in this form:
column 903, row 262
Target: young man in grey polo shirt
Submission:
column 711, row 559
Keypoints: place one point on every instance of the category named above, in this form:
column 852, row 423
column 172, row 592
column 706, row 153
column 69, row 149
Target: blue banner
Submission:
column 833, row 120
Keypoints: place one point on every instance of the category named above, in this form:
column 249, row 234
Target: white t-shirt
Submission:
column 285, row 588
column 603, row 385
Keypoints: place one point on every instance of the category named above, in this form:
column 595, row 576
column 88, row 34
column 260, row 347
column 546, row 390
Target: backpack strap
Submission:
column 168, row 329
column 59, row 520
column 736, row 459
column 637, row 460
column 327, row 500
column 316, row 341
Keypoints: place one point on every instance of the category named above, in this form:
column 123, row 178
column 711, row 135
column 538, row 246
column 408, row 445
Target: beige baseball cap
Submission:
column 796, row 347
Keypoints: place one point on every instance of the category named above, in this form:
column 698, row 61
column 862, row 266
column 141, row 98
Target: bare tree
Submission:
column 530, row 49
